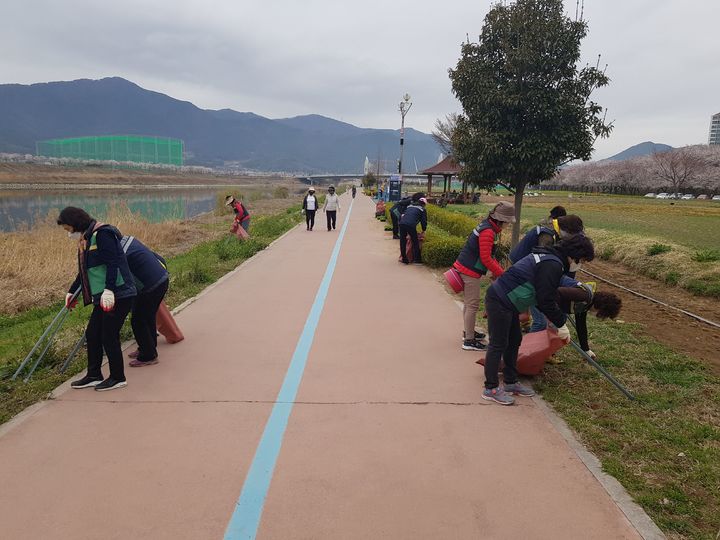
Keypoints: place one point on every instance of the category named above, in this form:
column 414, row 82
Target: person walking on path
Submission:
column 242, row 216
column 107, row 283
column 476, row 259
column 414, row 214
column 354, row 191
column 546, row 234
column 331, row 207
column 310, row 205
column 151, row 281
column 533, row 280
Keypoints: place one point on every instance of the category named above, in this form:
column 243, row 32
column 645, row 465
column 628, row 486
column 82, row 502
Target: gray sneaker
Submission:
column 498, row 395
column 518, row 389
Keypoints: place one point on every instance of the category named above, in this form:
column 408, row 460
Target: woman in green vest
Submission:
column 106, row 282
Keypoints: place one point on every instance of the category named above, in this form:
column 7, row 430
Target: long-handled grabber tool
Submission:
column 72, row 354
column 589, row 359
column 49, row 335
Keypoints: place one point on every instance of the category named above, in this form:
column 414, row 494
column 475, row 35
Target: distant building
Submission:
column 714, row 137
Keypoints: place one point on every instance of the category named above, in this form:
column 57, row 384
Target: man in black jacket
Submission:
column 399, row 209
column 414, row 214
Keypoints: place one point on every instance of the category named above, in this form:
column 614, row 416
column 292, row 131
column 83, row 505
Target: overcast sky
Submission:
column 353, row 61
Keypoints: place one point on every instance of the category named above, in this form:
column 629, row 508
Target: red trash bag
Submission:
column 535, row 350
column 166, row 325
column 409, row 249
column 239, row 231
column 455, row 280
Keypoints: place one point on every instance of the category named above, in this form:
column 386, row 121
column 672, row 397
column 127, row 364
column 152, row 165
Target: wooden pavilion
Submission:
column 447, row 168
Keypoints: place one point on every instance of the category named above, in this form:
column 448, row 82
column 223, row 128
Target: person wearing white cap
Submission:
column 414, row 214
column 310, row 204
column 476, row 259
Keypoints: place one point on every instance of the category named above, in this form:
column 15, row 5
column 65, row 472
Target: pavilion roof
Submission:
column 446, row 166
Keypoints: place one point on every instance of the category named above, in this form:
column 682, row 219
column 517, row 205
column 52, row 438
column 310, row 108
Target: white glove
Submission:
column 107, row 300
column 591, row 354
column 69, row 302
column 564, row 333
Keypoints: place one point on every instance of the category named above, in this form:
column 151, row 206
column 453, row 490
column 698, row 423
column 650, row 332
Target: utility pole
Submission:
column 405, row 105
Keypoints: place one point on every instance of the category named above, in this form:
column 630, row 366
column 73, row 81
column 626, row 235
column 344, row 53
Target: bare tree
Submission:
column 678, row 167
column 443, row 132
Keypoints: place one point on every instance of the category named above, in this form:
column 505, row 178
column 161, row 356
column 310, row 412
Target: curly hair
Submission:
column 607, row 304
column 577, row 246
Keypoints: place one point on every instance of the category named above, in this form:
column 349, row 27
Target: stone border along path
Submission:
column 387, row 436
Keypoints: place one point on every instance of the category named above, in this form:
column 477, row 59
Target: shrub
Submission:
column 454, row 223
column 672, row 278
column 441, row 250
column 281, row 192
column 657, row 249
column 706, row 255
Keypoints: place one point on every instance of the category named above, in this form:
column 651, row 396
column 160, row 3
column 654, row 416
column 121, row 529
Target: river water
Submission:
column 19, row 210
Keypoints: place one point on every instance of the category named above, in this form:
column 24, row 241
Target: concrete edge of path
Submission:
column 29, row 411
column 639, row 519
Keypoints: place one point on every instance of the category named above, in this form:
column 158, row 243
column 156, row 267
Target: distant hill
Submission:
column 115, row 106
column 642, row 149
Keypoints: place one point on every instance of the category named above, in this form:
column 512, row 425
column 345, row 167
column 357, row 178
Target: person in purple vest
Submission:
column 532, row 281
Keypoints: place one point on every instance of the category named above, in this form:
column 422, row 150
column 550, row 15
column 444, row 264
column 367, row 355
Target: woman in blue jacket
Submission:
column 107, row 284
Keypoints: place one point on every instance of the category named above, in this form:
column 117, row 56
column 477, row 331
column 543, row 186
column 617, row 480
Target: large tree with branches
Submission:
column 526, row 103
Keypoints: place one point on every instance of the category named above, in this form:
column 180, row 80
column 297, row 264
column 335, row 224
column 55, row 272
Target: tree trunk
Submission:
column 519, row 191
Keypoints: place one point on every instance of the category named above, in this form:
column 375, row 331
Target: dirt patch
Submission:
column 672, row 328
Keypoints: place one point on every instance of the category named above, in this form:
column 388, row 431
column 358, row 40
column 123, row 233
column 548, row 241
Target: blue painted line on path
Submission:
column 245, row 520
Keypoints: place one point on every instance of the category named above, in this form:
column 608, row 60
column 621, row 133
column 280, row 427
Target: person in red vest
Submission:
column 242, row 216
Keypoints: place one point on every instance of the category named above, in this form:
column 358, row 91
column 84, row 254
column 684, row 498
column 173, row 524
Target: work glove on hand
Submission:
column 591, row 354
column 107, row 300
column 70, row 302
column 564, row 333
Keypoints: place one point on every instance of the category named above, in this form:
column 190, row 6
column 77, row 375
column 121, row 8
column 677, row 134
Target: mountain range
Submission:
column 115, row 106
column 642, row 149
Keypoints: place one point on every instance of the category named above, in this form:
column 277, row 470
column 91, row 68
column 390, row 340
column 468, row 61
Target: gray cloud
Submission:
column 354, row 61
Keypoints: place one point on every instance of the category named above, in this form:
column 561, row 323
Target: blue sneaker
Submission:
column 518, row 389
column 498, row 395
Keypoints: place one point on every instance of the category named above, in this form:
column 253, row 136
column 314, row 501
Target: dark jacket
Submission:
column 148, row 268
column 317, row 202
column 531, row 240
column 534, row 281
column 102, row 265
column 478, row 253
column 400, row 207
column 414, row 214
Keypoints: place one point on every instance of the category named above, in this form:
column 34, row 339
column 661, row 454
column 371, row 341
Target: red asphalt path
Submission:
column 388, row 437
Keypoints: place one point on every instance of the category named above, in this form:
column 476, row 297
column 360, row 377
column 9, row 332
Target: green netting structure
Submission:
column 134, row 148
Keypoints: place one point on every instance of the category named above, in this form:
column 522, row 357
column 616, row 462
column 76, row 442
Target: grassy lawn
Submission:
column 190, row 273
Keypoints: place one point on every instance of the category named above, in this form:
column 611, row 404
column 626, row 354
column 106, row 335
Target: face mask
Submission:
column 575, row 266
column 74, row 235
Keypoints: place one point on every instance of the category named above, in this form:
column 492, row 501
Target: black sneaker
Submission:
column 86, row 382
column 110, row 384
column 478, row 335
column 473, row 345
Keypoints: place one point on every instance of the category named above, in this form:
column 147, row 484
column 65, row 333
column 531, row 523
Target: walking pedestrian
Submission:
column 242, row 216
column 414, row 214
column 331, row 207
column 151, row 281
column 533, row 280
column 310, row 205
column 354, row 191
column 107, row 283
column 476, row 259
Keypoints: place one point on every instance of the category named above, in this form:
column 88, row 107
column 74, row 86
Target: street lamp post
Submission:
column 405, row 105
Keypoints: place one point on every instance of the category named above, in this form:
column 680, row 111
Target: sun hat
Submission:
column 229, row 200
column 312, row 189
column 503, row 211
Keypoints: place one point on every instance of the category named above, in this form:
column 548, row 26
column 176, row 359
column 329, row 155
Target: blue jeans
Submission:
column 539, row 322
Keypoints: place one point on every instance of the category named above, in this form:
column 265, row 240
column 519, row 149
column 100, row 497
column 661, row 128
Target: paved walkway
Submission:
column 387, row 437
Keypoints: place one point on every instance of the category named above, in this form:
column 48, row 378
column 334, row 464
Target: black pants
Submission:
column 505, row 337
column 331, row 218
column 395, row 223
column 406, row 230
column 103, row 333
column 144, row 312
column 310, row 219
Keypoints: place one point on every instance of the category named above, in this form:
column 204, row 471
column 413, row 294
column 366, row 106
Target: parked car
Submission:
column 651, row 195
column 702, row 197
column 662, row 196
column 687, row 197
column 716, row 198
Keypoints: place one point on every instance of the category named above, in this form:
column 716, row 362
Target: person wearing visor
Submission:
column 242, row 216
column 476, row 259
column 532, row 281
column 107, row 284
column 331, row 207
column 310, row 206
